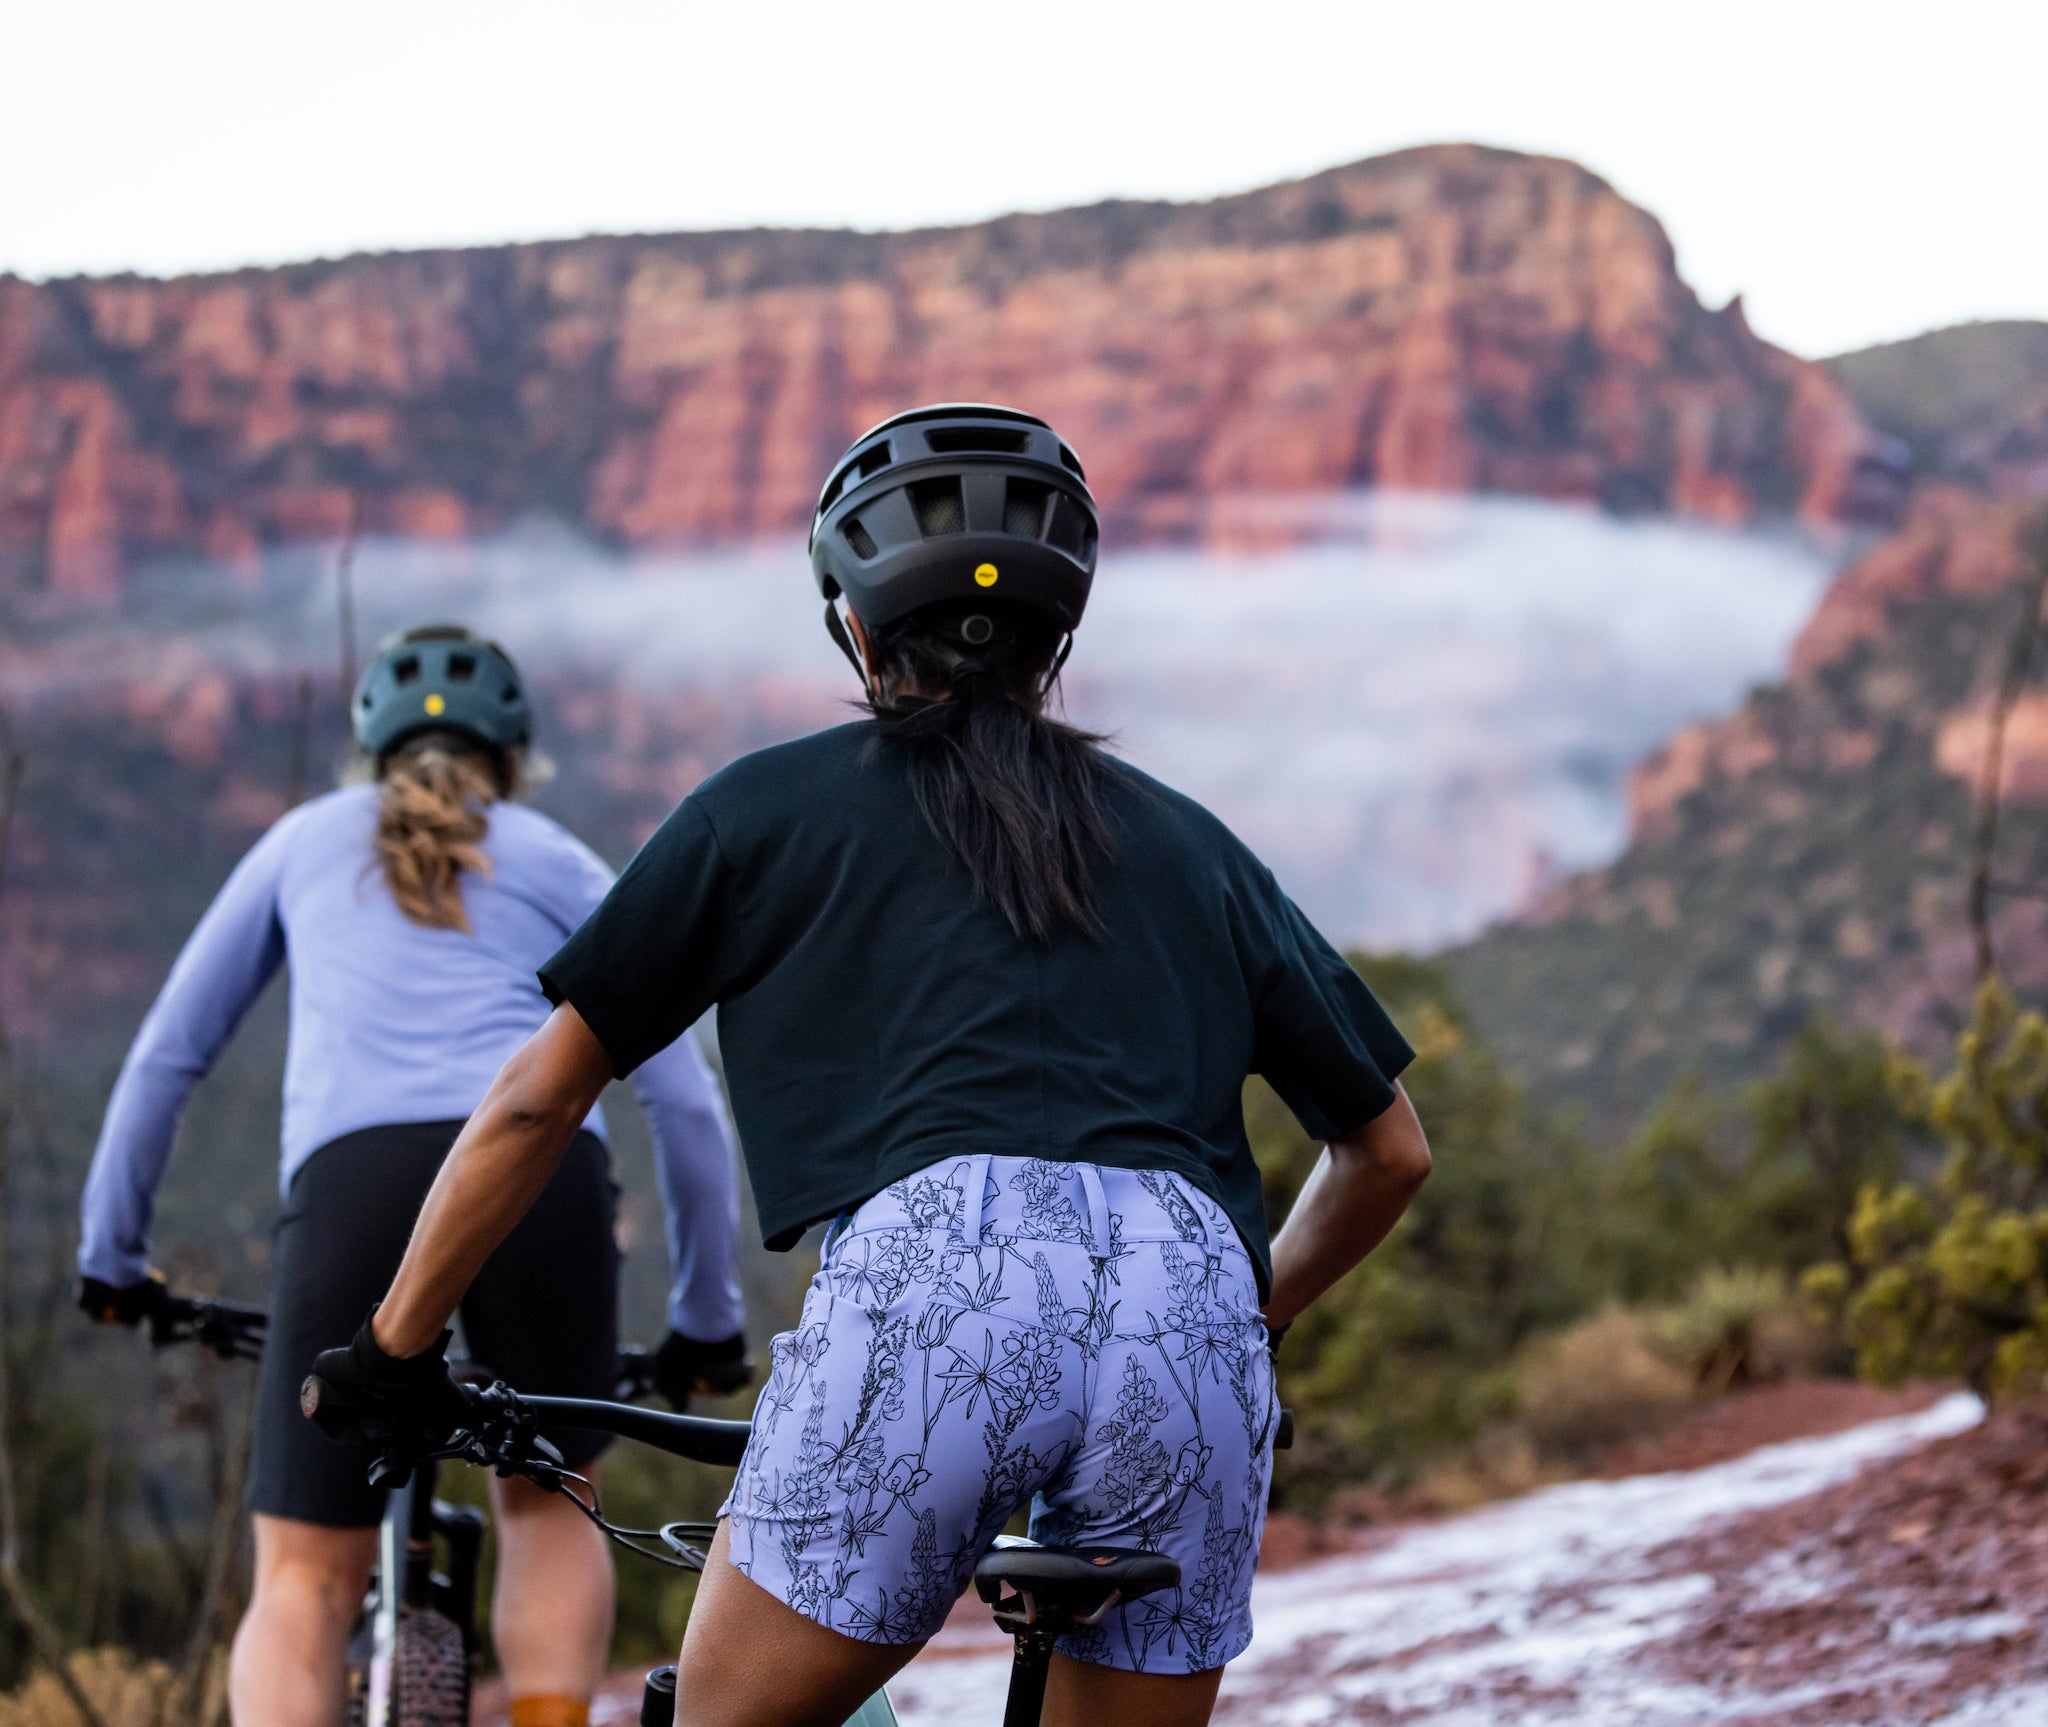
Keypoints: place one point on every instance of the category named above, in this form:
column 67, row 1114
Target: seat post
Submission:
column 1029, row 1664
column 1040, row 1594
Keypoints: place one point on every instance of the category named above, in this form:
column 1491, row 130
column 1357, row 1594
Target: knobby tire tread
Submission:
column 430, row 1674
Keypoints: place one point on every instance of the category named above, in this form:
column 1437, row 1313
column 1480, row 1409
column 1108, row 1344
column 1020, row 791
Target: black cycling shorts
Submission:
column 542, row 1315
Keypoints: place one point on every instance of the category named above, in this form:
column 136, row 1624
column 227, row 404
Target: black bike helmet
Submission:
column 959, row 501
column 438, row 677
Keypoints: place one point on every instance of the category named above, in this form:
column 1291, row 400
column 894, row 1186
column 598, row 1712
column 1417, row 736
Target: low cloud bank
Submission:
column 1419, row 720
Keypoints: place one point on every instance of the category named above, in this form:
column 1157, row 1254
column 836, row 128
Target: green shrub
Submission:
column 1525, row 1228
column 1736, row 1327
column 1407, row 1358
column 1950, row 1276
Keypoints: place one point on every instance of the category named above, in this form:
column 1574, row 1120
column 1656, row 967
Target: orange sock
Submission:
column 550, row 1712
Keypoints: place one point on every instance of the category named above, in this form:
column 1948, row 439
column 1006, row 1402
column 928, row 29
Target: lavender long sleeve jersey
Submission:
column 392, row 1022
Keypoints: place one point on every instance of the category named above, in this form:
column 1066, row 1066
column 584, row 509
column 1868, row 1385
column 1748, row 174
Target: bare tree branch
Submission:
column 1990, row 790
column 345, row 598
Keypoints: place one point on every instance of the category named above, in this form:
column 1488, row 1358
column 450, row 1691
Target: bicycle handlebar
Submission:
column 697, row 1437
column 500, row 1430
column 232, row 1332
column 236, row 1333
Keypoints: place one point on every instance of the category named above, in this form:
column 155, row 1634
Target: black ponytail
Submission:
column 1016, row 796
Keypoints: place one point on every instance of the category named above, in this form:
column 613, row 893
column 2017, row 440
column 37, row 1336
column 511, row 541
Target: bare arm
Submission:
column 496, row 1170
column 1355, row 1194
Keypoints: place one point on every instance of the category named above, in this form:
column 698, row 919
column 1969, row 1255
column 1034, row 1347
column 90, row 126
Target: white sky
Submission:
column 1858, row 169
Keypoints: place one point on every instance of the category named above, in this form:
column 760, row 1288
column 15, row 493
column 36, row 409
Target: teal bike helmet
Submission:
column 440, row 677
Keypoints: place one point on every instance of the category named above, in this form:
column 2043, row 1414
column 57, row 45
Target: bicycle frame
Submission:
column 413, row 1520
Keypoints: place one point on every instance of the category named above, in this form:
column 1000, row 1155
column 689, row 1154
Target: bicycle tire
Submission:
column 430, row 1672
column 355, row 1704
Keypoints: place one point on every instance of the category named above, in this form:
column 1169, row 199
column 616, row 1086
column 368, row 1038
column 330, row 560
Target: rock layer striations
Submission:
column 1450, row 318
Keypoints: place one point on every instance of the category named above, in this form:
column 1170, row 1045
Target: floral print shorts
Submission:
column 996, row 1332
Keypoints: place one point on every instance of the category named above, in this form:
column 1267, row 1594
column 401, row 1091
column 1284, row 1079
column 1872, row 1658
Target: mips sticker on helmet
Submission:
column 985, row 575
column 436, row 703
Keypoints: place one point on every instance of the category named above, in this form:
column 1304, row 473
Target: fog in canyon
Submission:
column 1420, row 714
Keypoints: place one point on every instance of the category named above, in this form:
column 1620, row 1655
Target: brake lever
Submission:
column 503, row 1435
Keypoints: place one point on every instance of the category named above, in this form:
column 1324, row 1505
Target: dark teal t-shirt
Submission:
column 875, row 1015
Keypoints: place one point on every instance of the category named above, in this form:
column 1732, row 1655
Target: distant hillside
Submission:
column 1971, row 401
column 1451, row 318
column 1809, row 853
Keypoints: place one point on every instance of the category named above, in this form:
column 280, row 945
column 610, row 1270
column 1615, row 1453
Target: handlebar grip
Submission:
column 313, row 1393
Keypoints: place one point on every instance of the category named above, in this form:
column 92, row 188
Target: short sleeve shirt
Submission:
column 876, row 1015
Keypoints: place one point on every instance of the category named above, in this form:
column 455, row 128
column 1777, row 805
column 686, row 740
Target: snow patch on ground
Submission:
column 1534, row 1612
column 2027, row 1707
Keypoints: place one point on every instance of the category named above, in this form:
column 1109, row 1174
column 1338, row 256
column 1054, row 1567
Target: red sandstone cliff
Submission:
column 1952, row 546
column 1445, row 318
column 1811, row 852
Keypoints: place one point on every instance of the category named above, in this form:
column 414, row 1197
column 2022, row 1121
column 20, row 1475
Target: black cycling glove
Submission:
column 361, row 1396
column 684, row 1368
column 128, row 1304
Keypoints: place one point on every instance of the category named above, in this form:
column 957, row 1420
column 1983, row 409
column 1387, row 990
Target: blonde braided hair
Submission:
column 437, row 795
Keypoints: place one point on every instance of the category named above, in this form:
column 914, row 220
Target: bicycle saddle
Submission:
column 1073, row 1585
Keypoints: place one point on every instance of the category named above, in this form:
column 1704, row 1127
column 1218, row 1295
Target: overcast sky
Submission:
column 1857, row 169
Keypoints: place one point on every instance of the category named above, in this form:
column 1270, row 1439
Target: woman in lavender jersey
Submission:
column 413, row 911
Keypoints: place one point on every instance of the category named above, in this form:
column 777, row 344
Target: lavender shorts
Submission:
column 996, row 1332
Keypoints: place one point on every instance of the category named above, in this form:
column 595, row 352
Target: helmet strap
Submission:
column 835, row 627
column 1059, row 659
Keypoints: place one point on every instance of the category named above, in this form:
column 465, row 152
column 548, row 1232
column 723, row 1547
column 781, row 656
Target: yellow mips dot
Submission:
column 437, row 703
column 986, row 575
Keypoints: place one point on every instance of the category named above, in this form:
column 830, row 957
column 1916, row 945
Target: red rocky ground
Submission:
column 1919, row 1582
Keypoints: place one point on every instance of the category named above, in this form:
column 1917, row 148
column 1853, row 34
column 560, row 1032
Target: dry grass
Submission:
column 1500, row 1464
column 128, row 1692
column 1596, row 1383
column 1580, row 1391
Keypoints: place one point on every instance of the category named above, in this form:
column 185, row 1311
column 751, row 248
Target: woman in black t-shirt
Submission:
column 987, row 1002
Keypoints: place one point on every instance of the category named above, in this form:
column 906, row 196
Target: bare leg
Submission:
column 750, row 1661
column 1080, row 1693
column 287, row 1665
column 551, row 1612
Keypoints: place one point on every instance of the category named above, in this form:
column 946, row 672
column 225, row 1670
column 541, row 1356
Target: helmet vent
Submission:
column 1070, row 528
column 1071, row 462
column 939, row 506
column 407, row 670
column 862, row 542
column 870, row 461
column 461, row 667
column 946, row 440
column 1024, row 509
